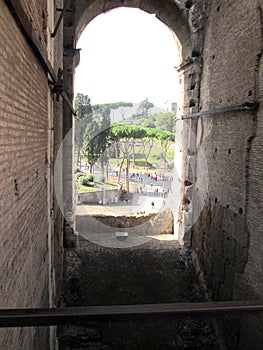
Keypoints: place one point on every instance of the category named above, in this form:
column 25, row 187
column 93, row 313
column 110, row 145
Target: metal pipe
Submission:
column 117, row 313
column 60, row 18
column 26, row 27
column 246, row 106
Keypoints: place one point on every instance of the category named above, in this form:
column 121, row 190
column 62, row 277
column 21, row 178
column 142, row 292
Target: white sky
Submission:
column 127, row 55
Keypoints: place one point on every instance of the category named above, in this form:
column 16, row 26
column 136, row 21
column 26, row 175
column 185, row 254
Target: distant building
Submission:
column 170, row 106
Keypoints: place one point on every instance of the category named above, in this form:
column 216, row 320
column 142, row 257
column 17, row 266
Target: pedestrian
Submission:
column 152, row 205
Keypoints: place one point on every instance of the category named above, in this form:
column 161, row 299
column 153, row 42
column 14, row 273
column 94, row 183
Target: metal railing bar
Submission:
column 246, row 106
column 117, row 313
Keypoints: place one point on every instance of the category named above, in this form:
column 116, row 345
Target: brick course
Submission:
column 24, row 128
column 227, row 238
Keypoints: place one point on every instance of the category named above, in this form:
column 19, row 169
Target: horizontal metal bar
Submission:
column 247, row 106
column 117, row 313
column 26, row 27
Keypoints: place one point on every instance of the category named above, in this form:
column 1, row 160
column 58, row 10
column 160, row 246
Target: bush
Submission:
column 78, row 175
column 85, row 181
column 102, row 178
column 90, row 177
column 77, row 170
column 170, row 166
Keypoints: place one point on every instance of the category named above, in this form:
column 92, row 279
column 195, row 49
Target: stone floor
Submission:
column 159, row 271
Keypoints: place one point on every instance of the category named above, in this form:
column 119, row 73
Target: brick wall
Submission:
column 25, row 199
column 227, row 238
column 38, row 15
column 56, row 138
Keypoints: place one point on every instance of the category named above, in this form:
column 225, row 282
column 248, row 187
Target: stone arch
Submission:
column 187, row 23
column 166, row 11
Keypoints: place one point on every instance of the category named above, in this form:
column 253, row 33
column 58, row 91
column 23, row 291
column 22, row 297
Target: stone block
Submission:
column 230, row 246
column 218, row 268
column 229, row 279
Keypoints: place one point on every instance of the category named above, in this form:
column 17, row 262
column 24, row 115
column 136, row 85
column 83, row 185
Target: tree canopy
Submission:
column 94, row 133
column 83, row 118
column 144, row 106
column 112, row 106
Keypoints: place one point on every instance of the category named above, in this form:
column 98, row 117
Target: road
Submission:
column 144, row 195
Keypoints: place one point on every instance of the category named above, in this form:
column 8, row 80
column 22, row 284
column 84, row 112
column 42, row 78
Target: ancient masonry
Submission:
column 219, row 130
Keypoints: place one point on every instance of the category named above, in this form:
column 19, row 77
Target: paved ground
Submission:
column 143, row 195
column 145, row 192
column 139, row 204
column 145, row 189
column 149, row 274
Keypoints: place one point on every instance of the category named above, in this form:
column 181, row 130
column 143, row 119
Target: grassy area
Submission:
column 99, row 186
column 95, row 185
column 141, row 163
column 170, row 153
column 155, row 159
column 155, row 162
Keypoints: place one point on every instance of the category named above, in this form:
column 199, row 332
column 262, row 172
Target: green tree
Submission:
column 166, row 121
column 97, row 141
column 125, row 135
column 144, row 107
column 103, row 140
column 166, row 139
column 91, row 150
column 82, row 119
column 150, row 138
column 112, row 106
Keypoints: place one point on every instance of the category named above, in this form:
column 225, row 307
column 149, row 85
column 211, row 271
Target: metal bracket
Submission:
column 60, row 18
column 58, row 85
column 27, row 29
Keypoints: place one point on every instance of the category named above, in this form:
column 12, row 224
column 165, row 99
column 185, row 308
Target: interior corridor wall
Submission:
column 227, row 239
column 29, row 121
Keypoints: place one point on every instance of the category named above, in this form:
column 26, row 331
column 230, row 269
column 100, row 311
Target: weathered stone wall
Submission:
column 185, row 18
column 227, row 238
column 55, row 54
column 29, row 239
column 227, row 71
column 109, row 196
column 102, row 229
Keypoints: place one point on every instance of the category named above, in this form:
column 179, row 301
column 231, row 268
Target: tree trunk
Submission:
column 119, row 175
column 148, row 154
column 133, row 154
column 107, row 171
column 165, row 159
column 116, row 154
column 127, row 175
column 79, row 158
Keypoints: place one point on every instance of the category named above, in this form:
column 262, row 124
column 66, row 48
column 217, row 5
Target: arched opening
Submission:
column 170, row 14
column 84, row 13
column 128, row 54
column 121, row 63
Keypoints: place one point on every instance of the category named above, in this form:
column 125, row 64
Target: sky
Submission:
column 127, row 55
